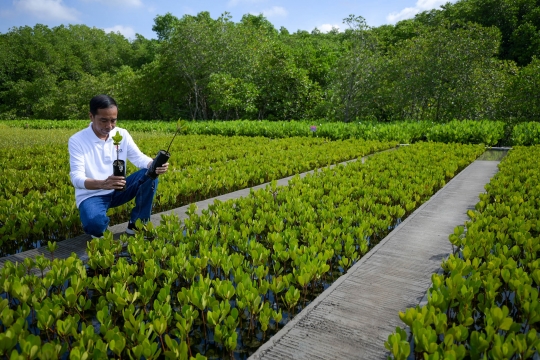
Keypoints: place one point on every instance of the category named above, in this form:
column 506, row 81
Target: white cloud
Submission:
column 47, row 9
column 127, row 3
column 124, row 30
column 328, row 27
column 409, row 12
column 275, row 11
column 232, row 3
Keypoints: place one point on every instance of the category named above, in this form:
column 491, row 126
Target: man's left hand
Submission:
column 162, row 169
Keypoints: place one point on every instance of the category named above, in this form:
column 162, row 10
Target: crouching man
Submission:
column 91, row 156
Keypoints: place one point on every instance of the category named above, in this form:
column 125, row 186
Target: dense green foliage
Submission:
column 219, row 282
column 475, row 59
column 405, row 132
column 526, row 134
column 38, row 204
column 47, row 72
column 522, row 100
column 467, row 132
column 485, row 304
column 518, row 22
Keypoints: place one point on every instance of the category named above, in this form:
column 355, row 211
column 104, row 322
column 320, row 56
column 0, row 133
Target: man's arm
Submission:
column 139, row 159
column 76, row 164
column 134, row 155
column 78, row 175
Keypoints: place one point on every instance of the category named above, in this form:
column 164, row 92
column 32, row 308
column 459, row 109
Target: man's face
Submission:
column 104, row 121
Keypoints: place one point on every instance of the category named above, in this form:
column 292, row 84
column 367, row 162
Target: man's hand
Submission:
column 114, row 183
column 162, row 169
column 159, row 170
column 110, row 183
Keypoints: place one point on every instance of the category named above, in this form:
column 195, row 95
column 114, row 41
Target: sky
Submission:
column 137, row 16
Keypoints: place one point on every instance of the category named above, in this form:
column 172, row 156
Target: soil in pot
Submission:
column 119, row 169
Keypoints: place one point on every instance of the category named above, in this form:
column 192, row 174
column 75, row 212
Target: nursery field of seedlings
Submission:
column 467, row 132
column 526, row 133
column 485, row 304
column 37, row 197
column 219, row 284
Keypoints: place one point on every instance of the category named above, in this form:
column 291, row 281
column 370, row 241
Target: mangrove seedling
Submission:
column 52, row 246
column 116, row 141
column 119, row 166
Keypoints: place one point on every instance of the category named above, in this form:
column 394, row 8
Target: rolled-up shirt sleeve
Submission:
column 77, row 165
column 135, row 155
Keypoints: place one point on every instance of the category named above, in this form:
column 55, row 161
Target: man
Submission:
column 91, row 155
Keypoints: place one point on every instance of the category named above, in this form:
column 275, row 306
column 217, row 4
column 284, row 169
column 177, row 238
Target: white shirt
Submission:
column 92, row 158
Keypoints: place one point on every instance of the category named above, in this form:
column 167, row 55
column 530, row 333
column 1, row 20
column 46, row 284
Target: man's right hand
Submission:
column 110, row 183
column 114, row 183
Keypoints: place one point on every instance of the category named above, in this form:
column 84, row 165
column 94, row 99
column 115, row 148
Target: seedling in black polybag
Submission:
column 119, row 166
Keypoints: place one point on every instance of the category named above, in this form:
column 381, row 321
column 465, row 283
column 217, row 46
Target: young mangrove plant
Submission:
column 119, row 166
column 218, row 284
column 484, row 303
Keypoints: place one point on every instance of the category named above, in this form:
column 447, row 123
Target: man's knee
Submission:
column 95, row 224
column 149, row 185
column 99, row 218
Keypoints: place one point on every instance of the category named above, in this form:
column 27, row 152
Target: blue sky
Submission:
column 137, row 16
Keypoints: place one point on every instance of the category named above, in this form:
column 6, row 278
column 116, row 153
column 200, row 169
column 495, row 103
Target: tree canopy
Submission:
column 474, row 59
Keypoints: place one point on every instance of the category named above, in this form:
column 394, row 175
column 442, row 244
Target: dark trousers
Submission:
column 93, row 211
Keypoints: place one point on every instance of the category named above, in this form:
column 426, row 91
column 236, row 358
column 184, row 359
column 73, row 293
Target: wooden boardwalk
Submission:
column 353, row 318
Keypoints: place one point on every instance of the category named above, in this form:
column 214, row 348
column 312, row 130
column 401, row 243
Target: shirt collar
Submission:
column 95, row 139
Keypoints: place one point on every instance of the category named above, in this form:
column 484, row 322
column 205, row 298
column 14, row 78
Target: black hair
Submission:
column 101, row 102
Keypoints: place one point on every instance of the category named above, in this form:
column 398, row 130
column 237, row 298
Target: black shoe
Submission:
column 131, row 229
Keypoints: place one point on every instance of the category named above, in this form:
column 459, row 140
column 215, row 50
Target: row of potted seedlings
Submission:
column 485, row 303
column 221, row 283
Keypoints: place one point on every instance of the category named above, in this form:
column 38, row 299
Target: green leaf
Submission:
column 117, row 138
